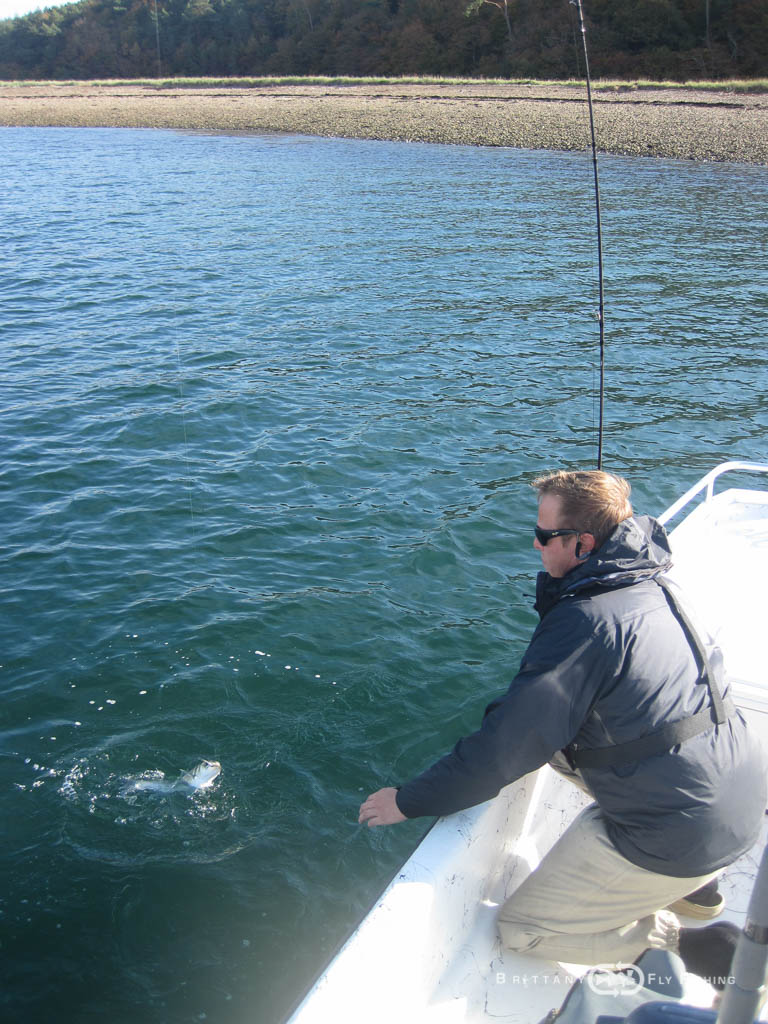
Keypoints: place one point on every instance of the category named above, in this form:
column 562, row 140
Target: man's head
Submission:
column 589, row 504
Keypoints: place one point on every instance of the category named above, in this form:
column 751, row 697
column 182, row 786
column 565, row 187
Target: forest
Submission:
column 675, row 40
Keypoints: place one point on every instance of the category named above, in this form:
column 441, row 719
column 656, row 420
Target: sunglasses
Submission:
column 545, row 536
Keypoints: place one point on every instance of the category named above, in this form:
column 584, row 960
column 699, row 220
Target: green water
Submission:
column 270, row 407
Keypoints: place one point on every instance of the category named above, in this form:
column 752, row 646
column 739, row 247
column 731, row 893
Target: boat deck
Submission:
column 429, row 952
column 721, row 561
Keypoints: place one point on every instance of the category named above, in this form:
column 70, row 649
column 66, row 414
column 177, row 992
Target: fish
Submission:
column 200, row 777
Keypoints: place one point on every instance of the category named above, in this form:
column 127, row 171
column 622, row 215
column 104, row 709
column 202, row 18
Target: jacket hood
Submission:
column 638, row 549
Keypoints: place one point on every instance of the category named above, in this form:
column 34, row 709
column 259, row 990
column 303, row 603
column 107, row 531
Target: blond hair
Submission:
column 590, row 500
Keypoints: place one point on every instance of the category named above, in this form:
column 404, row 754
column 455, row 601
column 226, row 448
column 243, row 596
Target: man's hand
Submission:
column 381, row 809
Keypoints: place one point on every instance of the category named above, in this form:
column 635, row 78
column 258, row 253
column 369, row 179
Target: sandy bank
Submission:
column 685, row 124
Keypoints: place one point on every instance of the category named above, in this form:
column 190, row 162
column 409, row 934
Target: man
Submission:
column 617, row 692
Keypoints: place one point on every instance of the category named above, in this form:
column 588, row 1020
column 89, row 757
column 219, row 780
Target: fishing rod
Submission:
column 601, row 304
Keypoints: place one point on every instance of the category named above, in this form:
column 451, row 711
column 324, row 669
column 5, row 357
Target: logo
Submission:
column 615, row 979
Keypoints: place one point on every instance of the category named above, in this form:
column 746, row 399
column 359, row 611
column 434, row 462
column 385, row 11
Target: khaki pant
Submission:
column 587, row 904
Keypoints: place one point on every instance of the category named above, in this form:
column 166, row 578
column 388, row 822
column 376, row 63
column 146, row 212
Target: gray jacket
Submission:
column 608, row 663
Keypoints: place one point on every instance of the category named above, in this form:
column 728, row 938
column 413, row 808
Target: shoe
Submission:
column 703, row 904
column 709, row 951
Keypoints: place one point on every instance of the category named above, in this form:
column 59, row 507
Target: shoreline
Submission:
column 680, row 123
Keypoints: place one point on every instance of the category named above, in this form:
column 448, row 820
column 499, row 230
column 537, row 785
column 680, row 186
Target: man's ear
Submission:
column 585, row 546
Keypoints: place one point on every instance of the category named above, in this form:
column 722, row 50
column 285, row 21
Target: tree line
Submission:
column 654, row 39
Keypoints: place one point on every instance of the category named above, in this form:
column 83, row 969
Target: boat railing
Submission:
column 707, row 484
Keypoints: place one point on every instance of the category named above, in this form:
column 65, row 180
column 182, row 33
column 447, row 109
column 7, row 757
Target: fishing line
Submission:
column 186, row 442
column 601, row 304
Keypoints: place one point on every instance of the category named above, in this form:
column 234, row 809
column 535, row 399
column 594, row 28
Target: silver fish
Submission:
column 202, row 776
column 199, row 777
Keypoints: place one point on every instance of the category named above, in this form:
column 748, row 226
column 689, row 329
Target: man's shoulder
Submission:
column 595, row 613
column 577, row 621
column 610, row 595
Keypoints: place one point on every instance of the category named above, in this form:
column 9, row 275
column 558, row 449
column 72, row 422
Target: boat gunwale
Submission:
column 707, row 482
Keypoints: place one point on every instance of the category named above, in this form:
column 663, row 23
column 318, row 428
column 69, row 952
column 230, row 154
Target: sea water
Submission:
column 270, row 410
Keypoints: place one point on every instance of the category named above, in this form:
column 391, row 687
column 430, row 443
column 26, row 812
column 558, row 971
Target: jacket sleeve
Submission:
column 541, row 713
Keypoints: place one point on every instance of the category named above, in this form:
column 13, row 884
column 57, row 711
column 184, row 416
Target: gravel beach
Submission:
column 686, row 124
